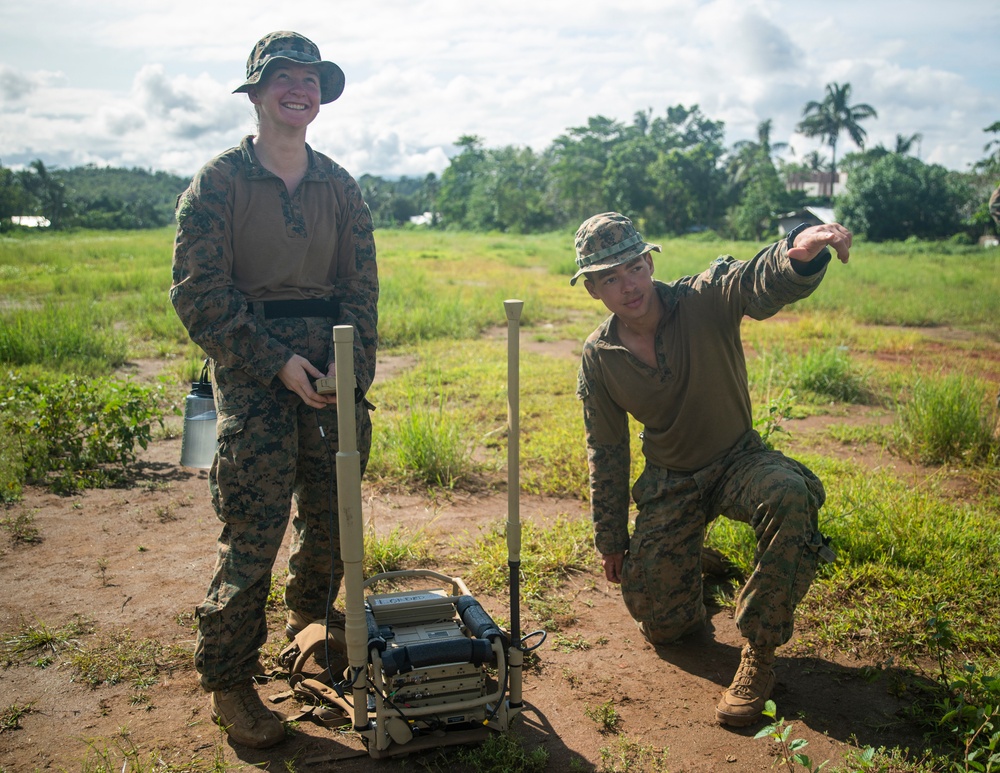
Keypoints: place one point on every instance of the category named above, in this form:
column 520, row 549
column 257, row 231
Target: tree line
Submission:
column 671, row 172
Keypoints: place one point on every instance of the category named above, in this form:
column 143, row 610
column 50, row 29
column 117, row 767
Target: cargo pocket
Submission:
column 228, row 479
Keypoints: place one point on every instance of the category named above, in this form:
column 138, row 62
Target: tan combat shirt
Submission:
column 241, row 238
column 696, row 403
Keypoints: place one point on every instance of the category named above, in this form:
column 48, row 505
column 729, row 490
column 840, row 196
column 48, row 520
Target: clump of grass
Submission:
column 39, row 636
column 118, row 657
column 121, row 753
column 502, row 753
column 393, row 551
column 548, row 555
column 948, row 419
column 830, row 373
column 427, row 446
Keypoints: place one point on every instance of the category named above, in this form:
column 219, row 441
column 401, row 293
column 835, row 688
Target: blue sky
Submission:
column 131, row 83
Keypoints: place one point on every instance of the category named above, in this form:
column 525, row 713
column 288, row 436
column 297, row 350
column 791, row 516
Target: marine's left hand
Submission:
column 297, row 375
column 811, row 241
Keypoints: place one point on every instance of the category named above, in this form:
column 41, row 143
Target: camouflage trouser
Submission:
column 777, row 496
column 270, row 448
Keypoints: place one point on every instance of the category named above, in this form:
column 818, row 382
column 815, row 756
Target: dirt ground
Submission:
column 139, row 560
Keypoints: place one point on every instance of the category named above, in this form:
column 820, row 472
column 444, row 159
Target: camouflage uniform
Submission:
column 995, row 206
column 271, row 447
column 702, row 456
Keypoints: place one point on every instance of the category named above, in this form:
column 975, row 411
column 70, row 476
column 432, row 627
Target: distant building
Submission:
column 817, row 184
column 427, row 218
column 30, row 221
column 809, row 215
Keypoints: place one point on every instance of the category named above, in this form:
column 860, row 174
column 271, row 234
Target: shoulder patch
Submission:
column 364, row 218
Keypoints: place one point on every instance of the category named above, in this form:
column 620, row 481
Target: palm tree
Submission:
column 816, row 161
column 748, row 154
column 827, row 119
column 905, row 144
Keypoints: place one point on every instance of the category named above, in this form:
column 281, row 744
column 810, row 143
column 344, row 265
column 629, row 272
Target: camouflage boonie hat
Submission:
column 298, row 49
column 605, row 241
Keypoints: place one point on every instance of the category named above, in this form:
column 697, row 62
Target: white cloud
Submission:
column 149, row 87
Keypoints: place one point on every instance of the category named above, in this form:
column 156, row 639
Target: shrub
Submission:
column 72, row 433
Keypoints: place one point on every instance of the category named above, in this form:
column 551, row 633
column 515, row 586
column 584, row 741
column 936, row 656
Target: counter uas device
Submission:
column 426, row 667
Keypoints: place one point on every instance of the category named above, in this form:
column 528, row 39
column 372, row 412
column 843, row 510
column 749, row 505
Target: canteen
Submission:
column 198, row 443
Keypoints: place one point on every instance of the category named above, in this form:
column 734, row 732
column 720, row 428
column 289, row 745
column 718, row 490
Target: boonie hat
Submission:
column 605, row 241
column 298, row 49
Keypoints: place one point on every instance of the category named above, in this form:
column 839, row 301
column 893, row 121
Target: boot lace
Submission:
column 250, row 704
column 752, row 675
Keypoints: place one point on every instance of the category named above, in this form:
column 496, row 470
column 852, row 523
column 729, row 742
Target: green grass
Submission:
column 35, row 638
column 949, row 418
column 915, row 559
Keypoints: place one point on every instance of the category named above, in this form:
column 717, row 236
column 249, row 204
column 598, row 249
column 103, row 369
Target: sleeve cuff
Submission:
column 815, row 265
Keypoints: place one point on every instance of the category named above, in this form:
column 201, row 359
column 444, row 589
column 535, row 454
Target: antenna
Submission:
column 515, row 655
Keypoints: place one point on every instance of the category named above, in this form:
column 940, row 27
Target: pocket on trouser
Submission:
column 226, row 479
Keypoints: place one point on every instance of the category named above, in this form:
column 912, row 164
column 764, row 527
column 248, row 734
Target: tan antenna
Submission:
column 352, row 547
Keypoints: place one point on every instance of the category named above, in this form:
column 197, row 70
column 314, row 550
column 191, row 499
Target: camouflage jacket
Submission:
column 241, row 239
column 696, row 403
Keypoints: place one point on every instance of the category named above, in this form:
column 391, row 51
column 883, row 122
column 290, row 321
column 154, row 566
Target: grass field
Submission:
column 906, row 336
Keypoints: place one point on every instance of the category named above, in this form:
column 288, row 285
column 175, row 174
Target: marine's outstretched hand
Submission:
column 811, row 241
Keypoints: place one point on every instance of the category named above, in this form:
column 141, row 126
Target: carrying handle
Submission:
column 203, row 386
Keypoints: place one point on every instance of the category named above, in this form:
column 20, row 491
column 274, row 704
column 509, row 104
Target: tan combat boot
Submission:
column 245, row 718
column 743, row 702
column 295, row 622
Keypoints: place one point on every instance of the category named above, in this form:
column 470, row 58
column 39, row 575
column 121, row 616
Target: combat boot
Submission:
column 743, row 702
column 295, row 622
column 242, row 714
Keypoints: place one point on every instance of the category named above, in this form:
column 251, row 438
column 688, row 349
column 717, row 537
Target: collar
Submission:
column 257, row 171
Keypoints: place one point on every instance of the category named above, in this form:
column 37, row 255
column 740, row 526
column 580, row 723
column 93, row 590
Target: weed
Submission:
column 10, row 717
column 120, row 754
column 626, row 755
column 606, row 716
column 790, row 753
column 22, row 529
column 548, row 555
column 572, row 677
column 778, row 410
column 424, row 445
column 276, row 593
column 102, row 571
column 571, row 643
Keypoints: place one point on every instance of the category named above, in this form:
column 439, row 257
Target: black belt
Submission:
column 312, row 307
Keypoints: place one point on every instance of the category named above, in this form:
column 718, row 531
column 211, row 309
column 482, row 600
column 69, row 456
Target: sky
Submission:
column 130, row 83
